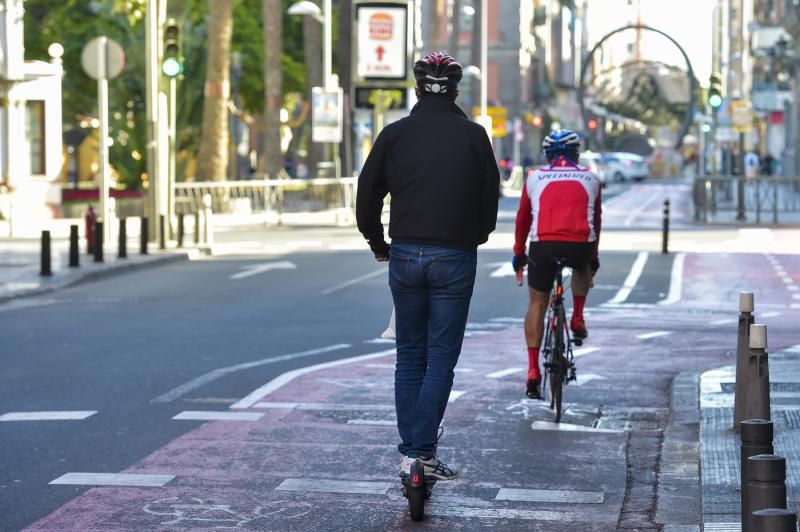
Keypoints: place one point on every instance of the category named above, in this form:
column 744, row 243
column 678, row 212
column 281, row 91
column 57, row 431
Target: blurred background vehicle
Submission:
column 594, row 162
column 622, row 166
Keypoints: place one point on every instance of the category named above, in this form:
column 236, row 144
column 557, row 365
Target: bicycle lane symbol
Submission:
column 221, row 515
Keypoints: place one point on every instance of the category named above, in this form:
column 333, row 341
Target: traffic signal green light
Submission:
column 715, row 90
column 173, row 62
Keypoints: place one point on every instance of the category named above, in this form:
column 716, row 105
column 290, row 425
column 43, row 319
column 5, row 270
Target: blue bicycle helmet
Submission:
column 561, row 142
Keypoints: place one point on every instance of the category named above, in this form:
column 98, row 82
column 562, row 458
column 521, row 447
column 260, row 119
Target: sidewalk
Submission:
column 20, row 265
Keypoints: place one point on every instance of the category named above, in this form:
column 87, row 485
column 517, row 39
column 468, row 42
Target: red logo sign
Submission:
column 381, row 27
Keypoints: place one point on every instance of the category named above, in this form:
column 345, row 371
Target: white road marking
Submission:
column 508, row 320
column 724, row 321
column 221, row 372
column 323, row 406
column 249, row 271
column 584, row 351
column 787, row 280
column 505, row 270
column 21, row 303
column 380, row 422
column 351, row 282
column 676, row 281
column 504, row 373
column 195, row 415
column 631, row 279
column 656, row 334
column 449, row 509
column 455, row 394
column 792, row 288
column 298, row 244
column 771, row 314
column 795, row 296
column 795, row 305
column 113, row 479
column 567, row 427
column 65, row 415
column 381, row 366
column 379, row 341
column 583, row 378
column 533, row 495
column 334, row 486
column 793, row 349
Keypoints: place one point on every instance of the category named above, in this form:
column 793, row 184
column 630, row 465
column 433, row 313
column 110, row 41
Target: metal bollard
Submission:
column 757, row 393
column 766, row 487
column 665, row 231
column 162, row 234
column 46, row 257
column 774, row 520
column 197, row 227
column 746, row 306
column 123, row 239
column 143, row 236
column 756, row 435
column 74, row 252
column 180, row 230
column 98, row 241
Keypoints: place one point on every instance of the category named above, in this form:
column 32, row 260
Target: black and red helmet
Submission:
column 438, row 73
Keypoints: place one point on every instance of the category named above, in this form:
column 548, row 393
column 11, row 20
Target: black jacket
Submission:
column 440, row 170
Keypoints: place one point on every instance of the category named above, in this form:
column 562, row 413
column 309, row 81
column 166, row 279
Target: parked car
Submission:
column 594, row 162
column 621, row 166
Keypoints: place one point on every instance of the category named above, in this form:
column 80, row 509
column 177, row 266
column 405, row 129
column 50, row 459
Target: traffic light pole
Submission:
column 740, row 214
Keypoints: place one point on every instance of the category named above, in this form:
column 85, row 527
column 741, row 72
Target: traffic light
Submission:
column 173, row 62
column 715, row 90
column 592, row 124
column 536, row 121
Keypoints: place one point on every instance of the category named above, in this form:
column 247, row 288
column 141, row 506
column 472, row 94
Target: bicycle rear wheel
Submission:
column 557, row 365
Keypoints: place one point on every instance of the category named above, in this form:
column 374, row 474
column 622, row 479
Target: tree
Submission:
column 273, row 81
column 212, row 157
column 312, row 46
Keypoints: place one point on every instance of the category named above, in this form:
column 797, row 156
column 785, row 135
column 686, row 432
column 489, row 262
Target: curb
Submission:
column 72, row 278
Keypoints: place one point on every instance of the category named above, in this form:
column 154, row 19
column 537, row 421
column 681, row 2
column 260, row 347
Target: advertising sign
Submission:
column 326, row 115
column 499, row 119
column 742, row 116
column 382, row 41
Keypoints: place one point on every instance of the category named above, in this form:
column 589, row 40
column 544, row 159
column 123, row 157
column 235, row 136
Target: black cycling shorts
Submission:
column 541, row 265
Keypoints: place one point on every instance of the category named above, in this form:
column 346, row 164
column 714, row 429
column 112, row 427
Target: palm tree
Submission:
column 312, row 46
column 272, row 12
column 212, row 159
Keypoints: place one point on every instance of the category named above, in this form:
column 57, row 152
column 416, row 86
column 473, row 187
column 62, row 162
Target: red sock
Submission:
column 533, row 363
column 577, row 307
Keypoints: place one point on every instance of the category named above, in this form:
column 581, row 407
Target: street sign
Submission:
column 326, row 115
column 382, row 41
column 114, row 62
column 499, row 116
column 741, row 116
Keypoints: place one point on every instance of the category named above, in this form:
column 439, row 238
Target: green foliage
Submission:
column 75, row 22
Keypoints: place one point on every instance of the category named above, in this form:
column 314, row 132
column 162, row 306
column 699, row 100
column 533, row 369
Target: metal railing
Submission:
column 769, row 199
column 271, row 196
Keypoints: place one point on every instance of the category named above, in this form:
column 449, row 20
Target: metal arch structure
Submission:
column 687, row 119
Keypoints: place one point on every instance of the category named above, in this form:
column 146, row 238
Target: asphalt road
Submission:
column 133, row 347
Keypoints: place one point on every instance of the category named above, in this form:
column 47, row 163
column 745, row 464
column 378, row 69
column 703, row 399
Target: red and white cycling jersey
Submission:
column 560, row 203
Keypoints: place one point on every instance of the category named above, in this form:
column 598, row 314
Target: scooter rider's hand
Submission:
column 380, row 249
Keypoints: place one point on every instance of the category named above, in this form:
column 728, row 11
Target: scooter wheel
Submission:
column 416, row 492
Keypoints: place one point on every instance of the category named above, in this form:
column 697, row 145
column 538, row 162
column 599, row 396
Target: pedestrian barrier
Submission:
column 98, row 241
column 774, row 197
column 756, row 436
column 74, row 254
column 766, row 486
column 278, row 197
column 143, row 233
column 123, row 239
column 46, row 264
column 757, row 384
column 746, row 306
column 180, row 230
column 774, row 520
column 665, row 231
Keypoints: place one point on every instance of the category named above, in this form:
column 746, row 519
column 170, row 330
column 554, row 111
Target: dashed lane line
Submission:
column 584, row 351
column 351, row 282
column 323, row 406
column 675, row 281
column 631, row 279
column 655, row 334
column 533, row 495
column 455, row 394
column 375, row 422
column 504, row 373
column 335, row 486
column 65, row 415
column 113, row 479
column 194, row 415
column 567, row 427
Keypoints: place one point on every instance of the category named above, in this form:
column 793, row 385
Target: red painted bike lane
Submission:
column 318, row 452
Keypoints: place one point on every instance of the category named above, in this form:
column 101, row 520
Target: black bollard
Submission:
column 197, row 227
column 143, row 236
column 766, row 486
column 46, row 268
column 757, row 406
column 74, row 253
column 756, row 435
column 123, row 239
column 774, row 520
column 665, row 231
column 162, row 235
column 180, row 230
column 98, row 241
column 746, row 319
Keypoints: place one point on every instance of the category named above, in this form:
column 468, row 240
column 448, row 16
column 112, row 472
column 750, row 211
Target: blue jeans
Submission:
column 431, row 288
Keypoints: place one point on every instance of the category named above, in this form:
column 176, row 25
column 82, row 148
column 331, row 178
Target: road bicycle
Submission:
column 559, row 364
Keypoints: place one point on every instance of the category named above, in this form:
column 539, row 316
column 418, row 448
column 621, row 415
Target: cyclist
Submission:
column 440, row 170
column 560, row 210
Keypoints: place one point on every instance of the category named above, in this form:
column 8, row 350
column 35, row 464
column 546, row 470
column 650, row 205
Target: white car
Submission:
column 594, row 162
column 621, row 166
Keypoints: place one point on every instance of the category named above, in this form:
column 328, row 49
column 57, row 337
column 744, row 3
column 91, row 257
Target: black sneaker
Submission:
column 533, row 388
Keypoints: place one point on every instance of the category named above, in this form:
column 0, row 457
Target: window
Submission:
column 35, row 134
